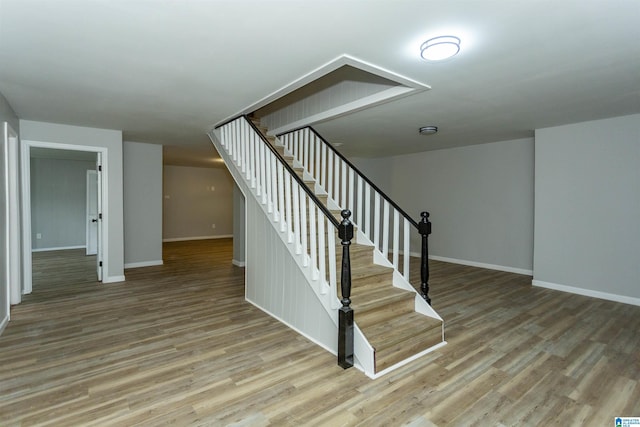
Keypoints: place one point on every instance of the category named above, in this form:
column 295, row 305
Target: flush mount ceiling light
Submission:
column 440, row 48
column 428, row 130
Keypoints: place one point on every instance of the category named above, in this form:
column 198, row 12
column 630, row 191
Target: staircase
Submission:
column 393, row 322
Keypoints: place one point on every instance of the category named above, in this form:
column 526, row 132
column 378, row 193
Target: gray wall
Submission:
column 142, row 204
column 112, row 141
column 6, row 114
column 59, row 202
column 480, row 198
column 190, row 205
column 587, row 206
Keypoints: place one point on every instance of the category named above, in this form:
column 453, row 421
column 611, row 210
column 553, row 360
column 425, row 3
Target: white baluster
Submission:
column 385, row 229
column 268, row 179
column 295, row 190
column 359, row 213
column 366, row 227
column 287, row 202
column 274, row 187
column 313, row 237
column 303, row 225
column 329, row 187
column 317, row 143
column 343, row 185
column 407, row 249
column 281, row 196
column 336, row 179
column 396, row 237
column 323, row 166
column 351, row 193
column 322, row 250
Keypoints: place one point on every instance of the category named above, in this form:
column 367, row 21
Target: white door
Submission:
column 99, row 217
column 92, row 212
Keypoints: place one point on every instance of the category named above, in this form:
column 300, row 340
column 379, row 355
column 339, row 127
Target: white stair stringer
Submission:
column 363, row 352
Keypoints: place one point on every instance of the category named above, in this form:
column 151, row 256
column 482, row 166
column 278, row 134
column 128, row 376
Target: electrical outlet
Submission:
column 167, row 196
column 38, row 235
column 213, row 226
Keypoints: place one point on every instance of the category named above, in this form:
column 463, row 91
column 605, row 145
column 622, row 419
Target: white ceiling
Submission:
column 164, row 71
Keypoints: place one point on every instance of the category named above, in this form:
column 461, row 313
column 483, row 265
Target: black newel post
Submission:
column 424, row 228
column 345, row 313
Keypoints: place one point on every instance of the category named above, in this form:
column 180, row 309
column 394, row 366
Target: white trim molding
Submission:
column 143, row 264
column 238, row 263
column 587, row 292
column 59, row 248
column 185, row 239
column 113, row 279
column 405, row 87
column 483, row 265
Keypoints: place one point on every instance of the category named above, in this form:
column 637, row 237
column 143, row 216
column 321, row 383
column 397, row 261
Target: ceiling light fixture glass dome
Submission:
column 440, row 48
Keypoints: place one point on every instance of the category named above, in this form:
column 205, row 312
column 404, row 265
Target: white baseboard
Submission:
column 587, row 292
column 184, row 239
column 59, row 248
column 483, row 265
column 238, row 263
column 143, row 264
column 113, row 279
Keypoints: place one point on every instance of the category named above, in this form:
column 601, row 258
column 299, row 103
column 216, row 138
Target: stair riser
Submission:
column 390, row 356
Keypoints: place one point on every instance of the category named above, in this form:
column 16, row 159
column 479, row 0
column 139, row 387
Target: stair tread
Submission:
column 384, row 314
column 387, row 334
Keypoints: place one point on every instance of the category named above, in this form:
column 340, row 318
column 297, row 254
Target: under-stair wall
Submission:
column 275, row 274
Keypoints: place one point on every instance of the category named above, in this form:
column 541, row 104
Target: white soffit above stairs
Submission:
column 388, row 87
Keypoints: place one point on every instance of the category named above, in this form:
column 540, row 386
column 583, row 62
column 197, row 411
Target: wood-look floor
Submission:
column 178, row 345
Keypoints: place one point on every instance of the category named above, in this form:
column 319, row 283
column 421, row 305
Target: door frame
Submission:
column 27, row 272
column 13, row 214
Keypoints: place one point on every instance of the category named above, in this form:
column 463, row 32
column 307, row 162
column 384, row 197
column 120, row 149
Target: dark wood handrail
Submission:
column 293, row 173
column 352, row 166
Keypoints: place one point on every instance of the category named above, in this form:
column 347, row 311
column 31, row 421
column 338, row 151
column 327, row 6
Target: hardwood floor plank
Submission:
column 178, row 344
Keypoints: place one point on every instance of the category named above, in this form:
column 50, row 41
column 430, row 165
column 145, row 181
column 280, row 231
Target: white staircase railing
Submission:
column 381, row 221
column 307, row 224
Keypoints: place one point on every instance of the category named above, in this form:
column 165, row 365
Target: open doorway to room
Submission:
column 62, row 211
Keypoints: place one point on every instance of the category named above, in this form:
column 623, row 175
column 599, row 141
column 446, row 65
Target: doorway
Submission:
column 54, row 220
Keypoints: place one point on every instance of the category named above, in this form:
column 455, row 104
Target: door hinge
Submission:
column 100, row 263
column 99, row 168
column 99, row 216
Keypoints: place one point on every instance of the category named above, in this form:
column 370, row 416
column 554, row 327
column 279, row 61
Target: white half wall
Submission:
column 587, row 208
column 480, row 198
column 142, row 204
column 111, row 140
